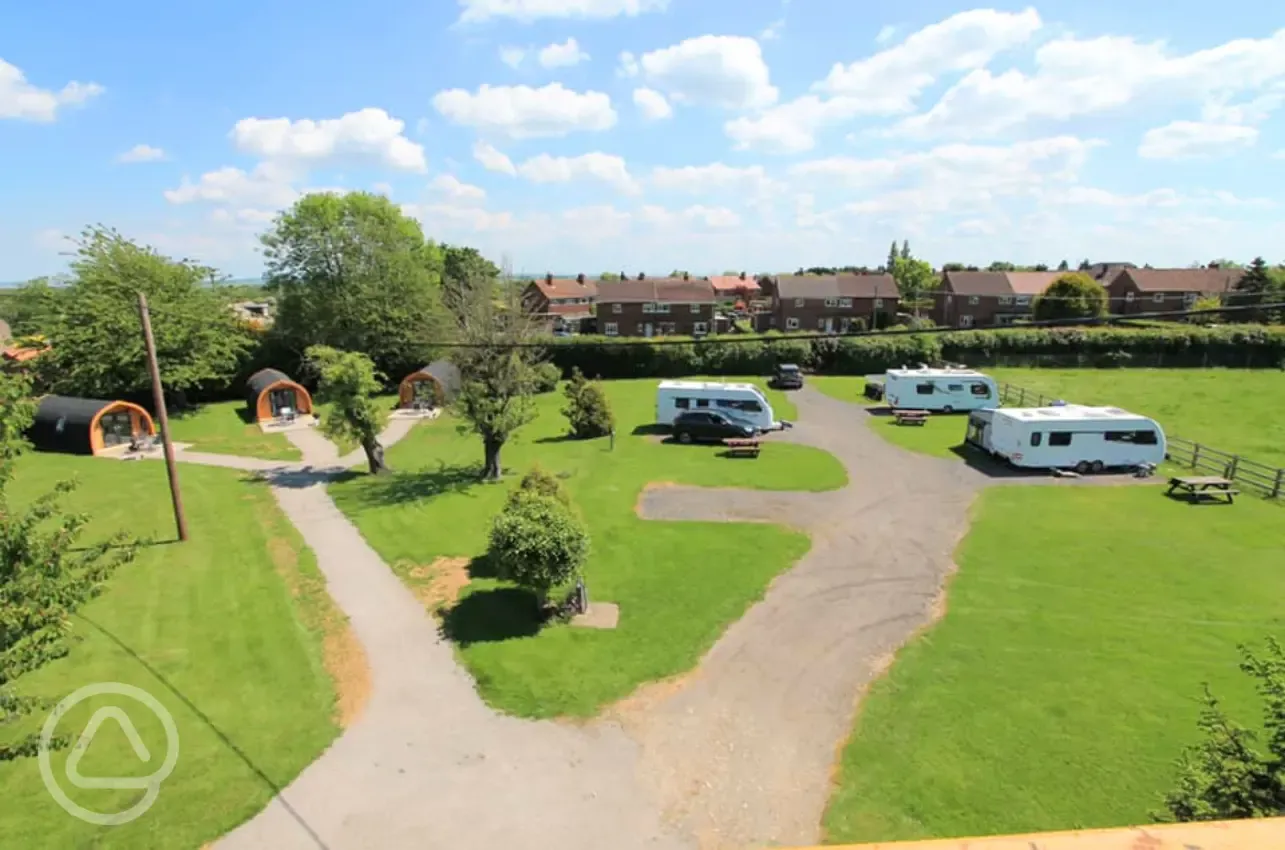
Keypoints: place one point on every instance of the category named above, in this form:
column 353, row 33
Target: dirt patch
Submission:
column 648, row 695
column 439, row 584
column 346, row 662
column 651, row 485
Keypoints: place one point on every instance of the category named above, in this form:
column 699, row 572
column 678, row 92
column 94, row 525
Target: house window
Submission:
column 1059, row 438
column 845, row 302
column 640, row 328
column 1023, row 300
column 878, row 303
column 924, row 389
column 683, row 403
column 1006, row 299
column 668, row 327
column 973, row 301
column 1128, row 296
column 798, row 302
column 696, row 308
column 1036, row 439
column 821, row 324
column 965, row 321
column 610, row 329
column 1159, row 297
column 791, row 324
column 662, row 308
column 616, row 308
column 831, row 302
column 1189, row 298
column 649, row 308
column 699, row 328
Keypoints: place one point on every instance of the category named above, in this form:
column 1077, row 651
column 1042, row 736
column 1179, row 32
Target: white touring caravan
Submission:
column 1071, row 436
column 743, row 401
column 946, row 390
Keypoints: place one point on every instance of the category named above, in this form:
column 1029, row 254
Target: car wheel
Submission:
column 1097, row 466
column 948, row 409
column 1083, row 467
column 684, row 438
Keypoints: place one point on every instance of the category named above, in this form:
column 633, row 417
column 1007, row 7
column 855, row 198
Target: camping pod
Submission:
column 271, row 394
column 433, row 386
column 87, row 426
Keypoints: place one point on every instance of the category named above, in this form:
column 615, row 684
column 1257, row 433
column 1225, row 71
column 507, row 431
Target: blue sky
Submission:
column 646, row 135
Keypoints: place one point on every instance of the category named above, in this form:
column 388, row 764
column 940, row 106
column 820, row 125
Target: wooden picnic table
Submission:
column 742, row 448
column 1203, row 487
column 910, row 417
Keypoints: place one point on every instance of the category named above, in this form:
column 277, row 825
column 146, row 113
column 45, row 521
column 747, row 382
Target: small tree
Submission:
column 1063, row 266
column 546, row 377
column 538, row 543
column 1208, row 302
column 915, row 281
column 1073, row 295
column 1252, row 289
column 1224, row 777
column 539, row 482
column 348, row 383
column 44, row 576
column 587, row 410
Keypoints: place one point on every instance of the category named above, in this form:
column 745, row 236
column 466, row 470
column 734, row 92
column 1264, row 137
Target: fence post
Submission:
column 1022, row 397
column 1195, row 454
column 1230, row 470
column 1280, row 481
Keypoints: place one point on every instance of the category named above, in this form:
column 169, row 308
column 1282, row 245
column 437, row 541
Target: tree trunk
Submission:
column 491, row 466
column 375, row 456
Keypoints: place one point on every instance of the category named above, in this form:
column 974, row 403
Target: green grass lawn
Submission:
column 226, row 631
column 1063, row 680
column 842, row 387
column 678, row 584
column 219, row 428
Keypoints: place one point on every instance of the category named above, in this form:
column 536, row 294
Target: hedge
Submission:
column 1233, row 346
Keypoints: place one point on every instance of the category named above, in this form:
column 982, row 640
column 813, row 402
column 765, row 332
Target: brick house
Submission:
column 831, row 303
column 732, row 287
column 565, row 303
column 987, row 299
column 665, row 306
column 1162, row 290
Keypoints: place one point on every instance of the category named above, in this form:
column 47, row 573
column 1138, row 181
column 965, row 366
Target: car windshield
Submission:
column 736, row 420
column 788, row 368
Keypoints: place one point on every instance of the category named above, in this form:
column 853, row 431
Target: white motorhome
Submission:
column 742, row 401
column 946, row 390
column 1070, row 436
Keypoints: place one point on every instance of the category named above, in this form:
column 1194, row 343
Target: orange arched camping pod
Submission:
column 433, row 386
column 87, row 426
column 271, row 394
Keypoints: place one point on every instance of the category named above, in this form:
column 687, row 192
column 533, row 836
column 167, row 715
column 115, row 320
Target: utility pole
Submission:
column 158, row 401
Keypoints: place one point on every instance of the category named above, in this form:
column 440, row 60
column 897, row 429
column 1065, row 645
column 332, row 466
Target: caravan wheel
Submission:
column 948, row 409
column 1097, row 466
column 1083, row 467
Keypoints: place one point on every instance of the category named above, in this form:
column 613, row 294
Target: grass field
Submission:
column 1063, row 680
column 219, row 428
column 1227, row 409
column 226, row 631
column 678, row 584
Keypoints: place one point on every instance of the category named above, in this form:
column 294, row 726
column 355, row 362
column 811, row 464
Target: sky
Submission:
column 573, row 136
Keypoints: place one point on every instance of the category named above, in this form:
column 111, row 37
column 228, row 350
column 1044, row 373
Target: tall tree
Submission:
column 1252, row 289
column 348, row 383
column 44, row 576
column 463, row 270
column 915, row 281
column 497, row 371
column 905, row 249
column 355, row 273
column 893, row 254
column 1063, row 266
column 1001, row 266
column 1073, row 295
column 1085, row 265
column 95, row 333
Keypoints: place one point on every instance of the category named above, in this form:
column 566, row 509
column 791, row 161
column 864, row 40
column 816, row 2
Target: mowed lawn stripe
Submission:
column 1063, row 680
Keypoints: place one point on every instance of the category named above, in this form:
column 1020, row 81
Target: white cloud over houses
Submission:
column 22, row 100
column 266, row 185
column 601, row 167
column 710, row 70
column 523, row 112
column 368, row 133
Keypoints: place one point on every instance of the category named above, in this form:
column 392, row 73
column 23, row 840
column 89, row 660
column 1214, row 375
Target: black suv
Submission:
column 787, row 377
column 696, row 426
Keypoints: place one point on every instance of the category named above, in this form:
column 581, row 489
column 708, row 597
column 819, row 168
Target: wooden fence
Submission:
column 1259, row 478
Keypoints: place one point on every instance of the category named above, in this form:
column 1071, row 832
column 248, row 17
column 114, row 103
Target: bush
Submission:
column 587, row 410
column 539, row 482
column 547, row 376
column 538, row 543
column 1073, row 295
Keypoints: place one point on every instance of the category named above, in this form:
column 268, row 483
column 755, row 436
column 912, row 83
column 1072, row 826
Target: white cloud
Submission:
column 367, row 133
column 247, row 217
column 1280, row 154
column 512, row 56
column 1078, row 77
column 562, row 55
column 1191, row 139
column 141, row 153
column 522, row 112
column 606, row 168
column 382, row 188
column 476, row 11
column 492, row 159
column 709, row 70
column 20, row 99
column 453, row 188
column 716, row 179
column 628, row 65
column 652, row 104
column 886, row 34
column 886, row 83
column 452, row 219
column 773, row 30
column 711, row 217
column 266, row 186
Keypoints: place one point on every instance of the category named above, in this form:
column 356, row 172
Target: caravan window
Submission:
column 1060, row 438
column 702, row 402
column 980, row 390
column 924, row 389
column 955, row 388
column 683, row 403
column 1037, row 438
column 1145, row 438
column 733, row 404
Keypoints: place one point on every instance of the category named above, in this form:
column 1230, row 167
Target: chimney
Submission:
column 624, row 276
column 742, row 275
column 642, row 276
column 580, row 279
column 548, row 277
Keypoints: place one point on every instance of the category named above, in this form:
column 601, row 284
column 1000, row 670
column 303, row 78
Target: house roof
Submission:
column 977, row 283
column 813, row 286
column 733, row 282
column 566, row 287
column 657, row 289
column 1182, row 280
column 1031, row 283
column 261, row 380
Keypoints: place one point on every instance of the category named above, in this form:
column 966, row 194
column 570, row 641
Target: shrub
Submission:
column 547, row 376
column 539, row 482
column 538, row 543
column 1073, row 295
column 587, row 410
